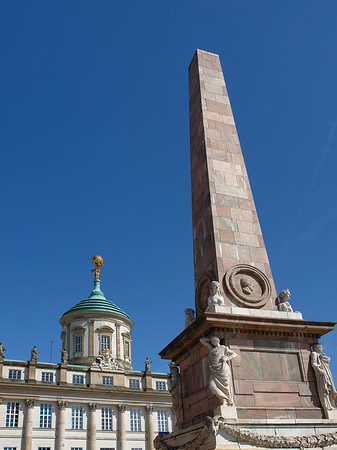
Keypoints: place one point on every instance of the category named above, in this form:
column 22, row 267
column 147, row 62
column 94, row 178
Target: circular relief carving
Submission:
column 202, row 292
column 247, row 285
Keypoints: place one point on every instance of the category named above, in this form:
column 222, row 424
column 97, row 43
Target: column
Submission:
column 121, row 438
column 61, row 425
column 149, row 427
column 28, row 425
column 92, row 426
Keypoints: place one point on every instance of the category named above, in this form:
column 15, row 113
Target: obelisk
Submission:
column 227, row 236
column 246, row 370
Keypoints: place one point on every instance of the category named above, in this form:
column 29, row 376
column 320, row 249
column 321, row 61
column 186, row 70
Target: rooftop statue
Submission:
column 189, row 317
column 98, row 261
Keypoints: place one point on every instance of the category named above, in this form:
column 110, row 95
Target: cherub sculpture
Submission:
column 284, row 304
column 98, row 261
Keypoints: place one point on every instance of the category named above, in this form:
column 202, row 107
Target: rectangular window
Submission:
column 162, row 420
column 12, row 415
column 45, row 415
column 106, row 448
column 134, row 383
column 44, row 448
column 78, row 343
column 9, row 448
column 136, row 449
column 78, row 379
column 47, row 376
column 134, row 419
column 127, row 349
column 14, row 374
column 108, row 380
column 77, row 418
column 106, row 418
column 76, row 448
column 105, row 343
column 161, row 385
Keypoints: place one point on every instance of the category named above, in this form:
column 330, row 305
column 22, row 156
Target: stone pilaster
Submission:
column 63, row 373
column 91, row 337
column 149, row 427
column 92, row 426
column 121, row 439
column 118, row 341
column 32, row 371
column 61, row 425
column 28, row 425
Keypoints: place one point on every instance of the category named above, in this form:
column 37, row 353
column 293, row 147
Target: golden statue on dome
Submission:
column 98, row 261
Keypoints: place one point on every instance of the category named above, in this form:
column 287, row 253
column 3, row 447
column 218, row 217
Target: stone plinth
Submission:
column 272, row 377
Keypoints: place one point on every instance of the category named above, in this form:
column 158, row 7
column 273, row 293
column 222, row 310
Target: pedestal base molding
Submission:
column 213, row 425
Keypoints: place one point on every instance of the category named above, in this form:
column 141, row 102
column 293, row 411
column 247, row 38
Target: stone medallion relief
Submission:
column 247, row 285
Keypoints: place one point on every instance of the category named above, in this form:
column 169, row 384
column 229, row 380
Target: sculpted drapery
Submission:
column 220, row 375
column 325, row 385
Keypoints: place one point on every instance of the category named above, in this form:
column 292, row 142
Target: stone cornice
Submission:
column 208, row 323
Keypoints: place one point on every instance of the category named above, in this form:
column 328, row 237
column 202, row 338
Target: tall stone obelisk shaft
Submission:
column 226, row 229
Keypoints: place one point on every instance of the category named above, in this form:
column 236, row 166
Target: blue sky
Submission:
column 95, row 156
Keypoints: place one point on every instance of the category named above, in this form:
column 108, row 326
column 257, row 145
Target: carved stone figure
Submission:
column 189, row 317
column 176, row 394
column 215, row 298
column 147, row 365
column 64, row 356
column 30, row 403
column 284, row 304
column 246, row 286
column 2, row 350
column 220, row 376
column 63, row 337
column 33, row 354
column 325, row 385
column 98, row 262
column 104, row 361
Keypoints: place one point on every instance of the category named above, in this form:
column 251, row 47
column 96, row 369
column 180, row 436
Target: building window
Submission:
column 134, row 419
column 106, row 448
column 106, row 418
column 44, row 448
column 127, row 349
column 108, row 380
column 78, row 379
column 12, row 416
column 77, row 418
column 9, row 448
column 134, row 383
column 14, row 374
column 45, row 415
column 162, row 420
column 161, row 385
column 136, row 448
column 47, row 376
column 78, row 343
column 105, row 343
column 76, row 448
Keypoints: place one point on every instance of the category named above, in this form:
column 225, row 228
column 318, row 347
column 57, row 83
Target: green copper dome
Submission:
column 97, row 302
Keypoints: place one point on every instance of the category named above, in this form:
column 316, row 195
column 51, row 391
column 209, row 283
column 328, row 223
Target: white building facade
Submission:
column 93, row 399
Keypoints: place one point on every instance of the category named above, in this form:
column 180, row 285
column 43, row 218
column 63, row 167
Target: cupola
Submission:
column 96, row 328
